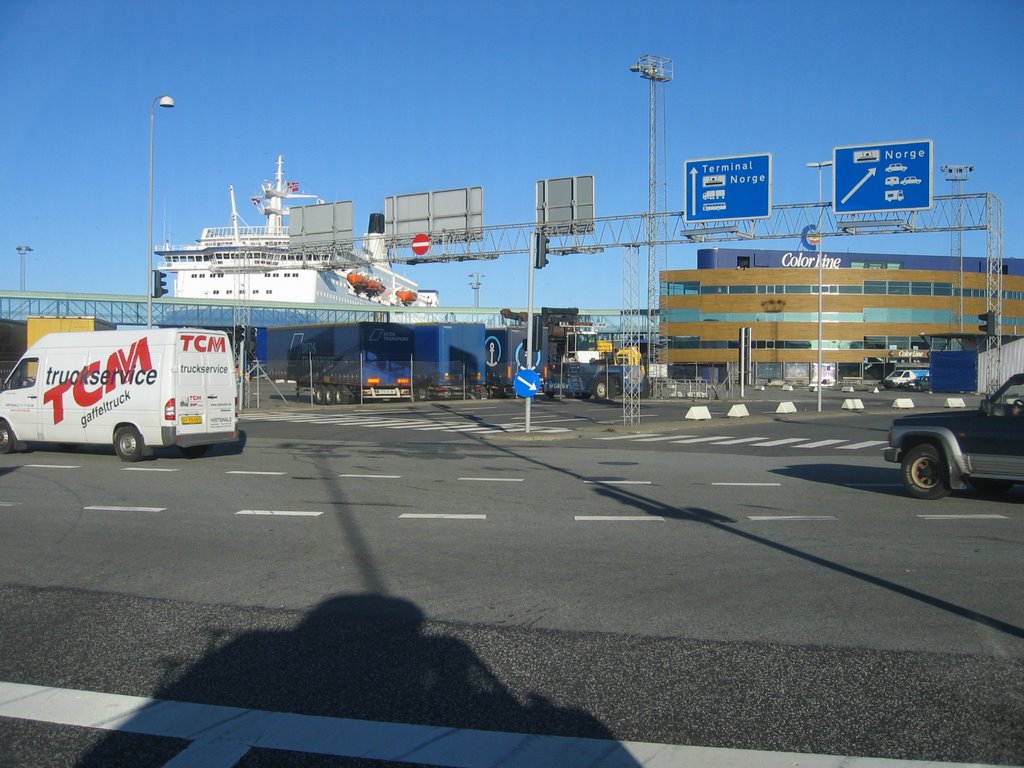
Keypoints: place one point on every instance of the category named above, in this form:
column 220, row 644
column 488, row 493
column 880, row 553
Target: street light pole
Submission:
column 167, row 102
column 22, row 250
column 475, row 285
column 821, row 211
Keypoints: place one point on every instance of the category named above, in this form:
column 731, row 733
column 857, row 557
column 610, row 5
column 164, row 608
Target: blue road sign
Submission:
column 722, row 188
column 875, row 178
column 527, row 383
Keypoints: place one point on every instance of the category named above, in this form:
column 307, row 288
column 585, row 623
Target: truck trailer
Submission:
column 449, row 361
column 344, row 363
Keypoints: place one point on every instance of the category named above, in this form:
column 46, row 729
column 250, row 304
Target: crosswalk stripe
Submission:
column 702, row 439
column 820, row 444
column 783, row 441
column 865, row 444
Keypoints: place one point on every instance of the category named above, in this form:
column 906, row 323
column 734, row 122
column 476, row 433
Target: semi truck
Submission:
column 39, row 326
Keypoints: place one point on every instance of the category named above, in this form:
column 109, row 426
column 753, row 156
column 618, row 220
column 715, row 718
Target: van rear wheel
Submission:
column 7, row 438
column 128, row 444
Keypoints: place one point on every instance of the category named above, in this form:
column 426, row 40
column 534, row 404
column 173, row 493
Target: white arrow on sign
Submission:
column 868, row 175
column 693, row 190
column 530, row 384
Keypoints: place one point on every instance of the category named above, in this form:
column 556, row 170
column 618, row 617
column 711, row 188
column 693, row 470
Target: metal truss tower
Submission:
column 657, row 70
column 994, row 291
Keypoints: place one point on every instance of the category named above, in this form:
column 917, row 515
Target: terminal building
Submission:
column 879, row 312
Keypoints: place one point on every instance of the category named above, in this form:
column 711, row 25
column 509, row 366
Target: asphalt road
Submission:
column 747, row 584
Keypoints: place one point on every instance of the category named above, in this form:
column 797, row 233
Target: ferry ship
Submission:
column 242, row 262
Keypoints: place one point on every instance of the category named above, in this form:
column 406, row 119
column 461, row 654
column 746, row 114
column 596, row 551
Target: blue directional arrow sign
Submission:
column 527, row 383
column 876, row 178
column 722, row 188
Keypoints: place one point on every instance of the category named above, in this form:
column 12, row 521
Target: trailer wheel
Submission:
column 318, row 394
column 7, row 438
column 128, row 443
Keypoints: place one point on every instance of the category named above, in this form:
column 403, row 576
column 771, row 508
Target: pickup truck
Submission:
column 983, row 449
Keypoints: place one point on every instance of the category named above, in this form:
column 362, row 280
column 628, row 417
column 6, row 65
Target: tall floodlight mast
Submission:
column 657, row 70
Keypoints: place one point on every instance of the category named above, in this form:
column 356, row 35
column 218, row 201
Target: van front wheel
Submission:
column 128, row 444
column 7, row 438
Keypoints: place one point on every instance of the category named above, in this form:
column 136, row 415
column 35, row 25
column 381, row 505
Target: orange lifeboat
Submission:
column 373, row 287
column 406, row 296
column 356, row 280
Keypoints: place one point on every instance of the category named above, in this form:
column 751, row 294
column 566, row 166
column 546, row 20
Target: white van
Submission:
column 134, row 389
column 905, row 378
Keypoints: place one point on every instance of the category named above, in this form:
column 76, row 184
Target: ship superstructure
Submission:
column 253, row 263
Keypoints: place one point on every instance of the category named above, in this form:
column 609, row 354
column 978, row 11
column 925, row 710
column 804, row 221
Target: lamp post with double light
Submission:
column 166, row 102
column 22, row 250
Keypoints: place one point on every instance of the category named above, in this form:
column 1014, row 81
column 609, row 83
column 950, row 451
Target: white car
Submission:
column 896, row 168
column 911, row 180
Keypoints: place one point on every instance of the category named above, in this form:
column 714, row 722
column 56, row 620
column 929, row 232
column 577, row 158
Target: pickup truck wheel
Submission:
column 128, row 444
column 924, row 473
column 7, row 438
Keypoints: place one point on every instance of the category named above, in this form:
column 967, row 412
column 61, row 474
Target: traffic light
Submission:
column 541, row 251
column 159, row 283
column 988, row 323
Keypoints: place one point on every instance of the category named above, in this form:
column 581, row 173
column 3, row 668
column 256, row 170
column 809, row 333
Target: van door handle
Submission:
column 212, row 397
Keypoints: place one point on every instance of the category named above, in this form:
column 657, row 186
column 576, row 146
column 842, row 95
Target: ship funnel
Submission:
column 376, row 226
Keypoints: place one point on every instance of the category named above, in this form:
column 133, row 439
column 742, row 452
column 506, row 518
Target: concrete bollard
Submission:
column 848, row 388
column 874, row 391
column 955, row 402
column 738, row 411
column 902, row 402
column 853, row 404
column 787, row 387
column 698, row 413
column 786, row 407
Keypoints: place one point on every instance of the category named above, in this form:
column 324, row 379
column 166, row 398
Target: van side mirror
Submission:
column 986, row 406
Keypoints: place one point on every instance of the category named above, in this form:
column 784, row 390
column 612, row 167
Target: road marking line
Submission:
column 149, row 469
column 374, row 477
column 250, row 472
column 963, row 517
column 126, row 509
column 701, row 439
column 756, row 485
column 763, row 518
column 872, row 485
column 440, row 516
column 54, row 466
column 865, row 444
column 819, row 444
column 279, row 512
column 652, row 439
column 215, row 731
column 739, row 440
column 628, row 437
column 493, row 479
column 619, row 518
column 616, row 482
column 783, row 441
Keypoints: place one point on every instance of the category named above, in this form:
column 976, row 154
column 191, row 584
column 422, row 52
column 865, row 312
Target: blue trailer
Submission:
column 449, row 361
column 344, row 363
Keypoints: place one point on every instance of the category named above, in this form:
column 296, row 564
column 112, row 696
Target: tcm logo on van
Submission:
column 191, row 343
column 88, row 385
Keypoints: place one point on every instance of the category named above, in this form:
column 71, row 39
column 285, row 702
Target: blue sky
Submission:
column 371, row 99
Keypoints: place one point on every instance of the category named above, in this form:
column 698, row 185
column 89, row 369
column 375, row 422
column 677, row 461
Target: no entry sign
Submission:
column 420, row 244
